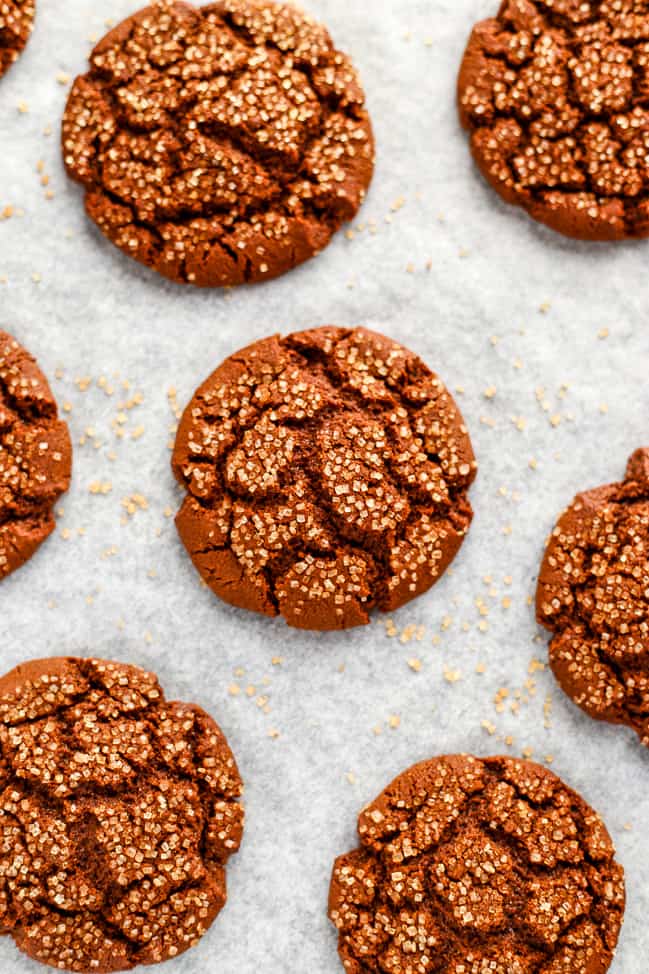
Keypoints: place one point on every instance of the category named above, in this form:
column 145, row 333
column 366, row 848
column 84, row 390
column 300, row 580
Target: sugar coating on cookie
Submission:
column 554, row 95
column 593, row 595
column 220, row 144
column 16, row 23
column 326, row 474
column 35, row 456
column 471, row 866
column 118, row 813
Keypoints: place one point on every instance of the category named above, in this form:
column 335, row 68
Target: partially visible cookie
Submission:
column 35, row 456
column 554, row 95
column 593, row 595
column 327, row 474
column 118, row 813
column 471, row 866
column 16, row 23
column 219, row 144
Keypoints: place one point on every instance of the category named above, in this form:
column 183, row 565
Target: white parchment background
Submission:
column 92, row 312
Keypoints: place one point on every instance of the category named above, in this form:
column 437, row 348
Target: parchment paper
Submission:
column 491, row 301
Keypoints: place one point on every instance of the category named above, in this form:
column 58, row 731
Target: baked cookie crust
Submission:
column 220, row 144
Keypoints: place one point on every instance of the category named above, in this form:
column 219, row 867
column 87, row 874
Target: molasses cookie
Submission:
column 593, row 595
column 554, row 95
column 219, row 144
column 35, row 456
column 118, row 814
column 478, row 867
column 16, row 23
column 326, row 474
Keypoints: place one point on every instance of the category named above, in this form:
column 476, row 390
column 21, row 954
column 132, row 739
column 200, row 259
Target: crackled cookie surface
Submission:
column 118, row 813
column 327, row 473
column 478, row 867
column 593, row 595
column 35, row 456
column 219, row 144
column 554, row 95
column 16, row 23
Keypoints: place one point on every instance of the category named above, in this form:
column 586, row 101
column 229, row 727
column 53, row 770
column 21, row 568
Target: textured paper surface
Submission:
column 92, row 312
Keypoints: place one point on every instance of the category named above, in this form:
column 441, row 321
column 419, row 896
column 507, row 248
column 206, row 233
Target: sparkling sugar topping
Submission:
column 554, row 94
column 593, row 595
column 35, row 456
column 219, row 144
column 118, row 813
column 327, row 473
column 478, row 867
column 16, row 23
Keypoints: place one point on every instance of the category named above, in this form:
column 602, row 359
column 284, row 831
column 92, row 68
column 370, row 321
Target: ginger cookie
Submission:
column 118, row 814
column 593, row 595
column 326, row 474
column 220, row 144
column 35, row 456
column 471, row 866
column 16, row 23
column 554, row 95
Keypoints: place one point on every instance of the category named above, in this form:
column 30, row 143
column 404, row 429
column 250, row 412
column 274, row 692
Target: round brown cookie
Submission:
column 554, row 94
column 16, row 23
column 35, row 456
column 221, row 144
column 593, row 594
column 327, row 473
column 471, row 866
column 118, row 814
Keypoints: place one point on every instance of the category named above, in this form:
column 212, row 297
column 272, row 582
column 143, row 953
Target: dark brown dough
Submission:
column 16, row 24
column 35, row 456
column 327, row 473
column 118, row 813
column 593, row 595
column 554, row 95
column 478, row 867
column 219, row 144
